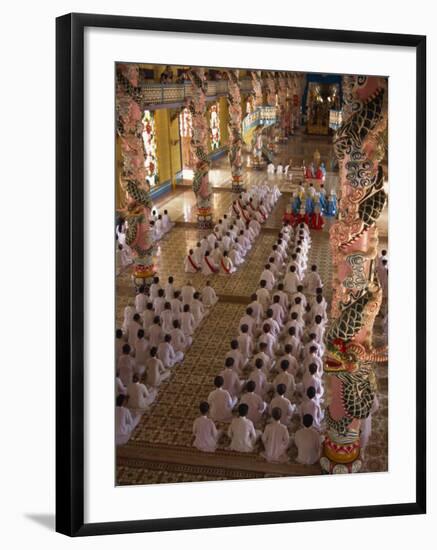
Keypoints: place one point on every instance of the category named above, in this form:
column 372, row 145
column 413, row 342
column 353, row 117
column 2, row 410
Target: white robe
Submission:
column 188, row 265
column 209, row 267
column 256, row 405
column 276, row 442
column 168, row 356
column 243, row 435
column 221, row 405
column 125, row 423
column 139, row 396
column 205, row 434
column 286, row 407
column 307, row 441
column 209, row 297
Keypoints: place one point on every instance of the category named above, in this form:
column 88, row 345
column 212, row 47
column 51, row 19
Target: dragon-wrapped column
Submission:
column 235, row 139
column 201, row 184
column 138, row 205
column 350, row 357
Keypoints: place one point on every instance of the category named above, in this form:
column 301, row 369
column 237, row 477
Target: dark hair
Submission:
column 285, row 364
column 307, row 420
column 243, row 409
column 281, row 389
column 167, row 338
column 276, row 413
column 136, row 317
column 153, row 351
column 259, row 363
column 140, row 333
column 251, row 385
column 313, row 267
column 170, row 279
column 186, row 308
column 244, row 328
column 204, row 407
column 126, row 349
column 234, row 344
column 288, row 348
column 229, row 362
column 263, row 283
column 119, row 333
column 119, row 400
column 218, row 381
column 299, row 288
column 313, row 348
column 156, row 320
column 318, row 319
column 312, row 368
column 249, row 311
column 311, row 392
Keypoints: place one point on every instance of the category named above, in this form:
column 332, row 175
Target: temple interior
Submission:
column 304, row 156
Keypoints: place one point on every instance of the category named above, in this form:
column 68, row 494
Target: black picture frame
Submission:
column 70, row 273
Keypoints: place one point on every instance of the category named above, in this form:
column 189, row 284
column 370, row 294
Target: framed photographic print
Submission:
column 231, row 200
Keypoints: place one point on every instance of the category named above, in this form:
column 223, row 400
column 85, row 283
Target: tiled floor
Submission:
column 160, row 450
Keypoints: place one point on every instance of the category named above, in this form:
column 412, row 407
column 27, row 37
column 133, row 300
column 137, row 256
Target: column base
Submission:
column 204, row 218
column 331, row 467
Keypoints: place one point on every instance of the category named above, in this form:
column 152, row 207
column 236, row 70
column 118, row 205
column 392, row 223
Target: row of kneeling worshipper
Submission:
column 158, row 328
column 272, row 378
column 224, row 249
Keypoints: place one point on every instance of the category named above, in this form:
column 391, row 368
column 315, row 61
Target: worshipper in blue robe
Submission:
column 295, row 204
column 322, row 199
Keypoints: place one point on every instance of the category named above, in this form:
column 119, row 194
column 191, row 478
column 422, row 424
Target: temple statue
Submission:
column 235, row 139
column 138, row 205
column 350, row 356
column 201, row 183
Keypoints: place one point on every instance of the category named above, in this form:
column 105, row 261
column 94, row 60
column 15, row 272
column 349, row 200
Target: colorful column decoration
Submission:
column 282, row 103
column 138, row 204
column 199, row 142
column 257, row 143
column 271, row 100
column 350, row 356
column 235, row 139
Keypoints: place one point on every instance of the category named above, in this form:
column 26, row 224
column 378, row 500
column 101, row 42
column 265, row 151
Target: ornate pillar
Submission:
column 257, row 143
column 271, row 100
column 282, row 102
column 138, row 204
column 235, row 139
column 201, row 183
column 350, row 356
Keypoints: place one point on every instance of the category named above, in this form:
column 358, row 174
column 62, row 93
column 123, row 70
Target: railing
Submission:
column 157, row 94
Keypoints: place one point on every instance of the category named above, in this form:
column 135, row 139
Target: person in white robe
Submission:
column 293, row 366
column 258, row 376
column 283, row 297
column 139, row 396
column 187, row 293
column 231, row 383
column 257, row 406
column 299, row 294
column 313, row 357
column 285, row 377
column 198, row 310
column 188, row 324
column 244, row 242
column 312, row 281
column 179, row 341
column 308, row 442
column 310, row 379
column 154, row 288
column 268, row 277
column 190, row 263
column 311, row 405
column 176, row 305
column 167, row 354
column 158, row 229
column 254, row 226
column 141, row 300
column 257, row 309
column 124, row 257
column 167, row 224
column 120, row 388
column 125, row 421
column 245, row 342
column 156, row 372
column 169, row 289
column 291, row 280
column 132, row 330
column 270, row 168
column 242, row 432
column 278, row 311
column 248, row 319
column 220, row 401
column 128, row 313
column 267, row 338
column 206, row 435
column 141, row 352
column 268, row 362
column 126, row 365
column 155, row 332
column 167, row 318
column 235, row 257
column 209, row 267
column 119, row 343
column 282, row 402
column 275, row 329
column 237, row 357
column 276, row 439
column 366, row 427
column 159, row 302
column 216, row 253
column 209, row 296
column 312, row 342
column 226, row 267
column 263, row 295
column 148, row 316
column 197, row 254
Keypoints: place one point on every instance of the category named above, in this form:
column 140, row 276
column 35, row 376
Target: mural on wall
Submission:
column 134, row 180
column 186, row 134
column 350, row 356
column 235, row 138
column 199, row 141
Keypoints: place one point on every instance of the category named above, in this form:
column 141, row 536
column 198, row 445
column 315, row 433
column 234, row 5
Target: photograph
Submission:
column 251, row 259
